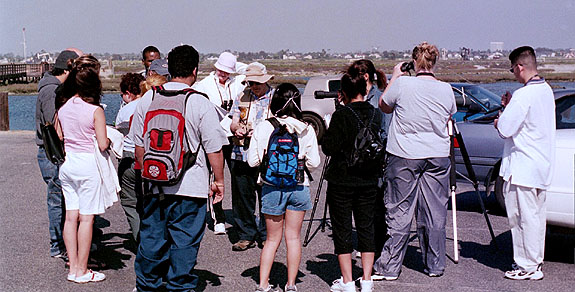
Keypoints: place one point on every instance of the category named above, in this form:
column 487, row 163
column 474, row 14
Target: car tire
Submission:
column 317, row 124
column 499, row 193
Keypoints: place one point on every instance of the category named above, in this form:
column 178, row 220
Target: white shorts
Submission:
column 81, row 183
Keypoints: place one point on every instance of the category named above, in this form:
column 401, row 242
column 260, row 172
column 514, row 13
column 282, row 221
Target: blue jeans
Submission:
column 170, row 234
column 55, row 201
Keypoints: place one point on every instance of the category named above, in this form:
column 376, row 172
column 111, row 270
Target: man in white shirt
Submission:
column 222, row 88
column 528, row 127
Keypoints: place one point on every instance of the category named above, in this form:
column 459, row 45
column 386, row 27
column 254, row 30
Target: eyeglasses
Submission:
column 512, row 70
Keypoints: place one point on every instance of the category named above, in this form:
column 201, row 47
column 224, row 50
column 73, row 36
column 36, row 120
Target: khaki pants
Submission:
column 526, row 213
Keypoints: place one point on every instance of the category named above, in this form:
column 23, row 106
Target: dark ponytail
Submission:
column 375, row 76
column 286, row 101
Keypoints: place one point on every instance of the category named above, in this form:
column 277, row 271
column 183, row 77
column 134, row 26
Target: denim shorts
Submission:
column 275, row 200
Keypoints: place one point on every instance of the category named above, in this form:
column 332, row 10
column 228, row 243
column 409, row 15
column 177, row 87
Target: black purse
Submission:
column 53, row 146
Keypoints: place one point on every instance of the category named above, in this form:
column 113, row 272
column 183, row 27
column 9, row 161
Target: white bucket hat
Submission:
column 226, row 62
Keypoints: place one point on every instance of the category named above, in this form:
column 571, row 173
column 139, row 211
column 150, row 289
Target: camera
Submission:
column 407, row 66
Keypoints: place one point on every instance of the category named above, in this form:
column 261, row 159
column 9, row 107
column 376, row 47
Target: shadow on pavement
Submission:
column 278, row 275
column 206, row 278
column 487, row 254
column 327, row 267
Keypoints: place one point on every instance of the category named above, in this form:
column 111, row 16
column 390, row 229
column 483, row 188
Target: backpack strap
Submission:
column 274, row 122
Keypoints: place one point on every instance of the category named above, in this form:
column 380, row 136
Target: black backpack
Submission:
column 368, row 153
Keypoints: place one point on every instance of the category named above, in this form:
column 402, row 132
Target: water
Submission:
column 22, row 108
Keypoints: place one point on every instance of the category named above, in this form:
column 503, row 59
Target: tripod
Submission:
column 457, row 142
column 307, row 239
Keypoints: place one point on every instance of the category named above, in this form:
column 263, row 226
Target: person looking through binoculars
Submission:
column 417, row 173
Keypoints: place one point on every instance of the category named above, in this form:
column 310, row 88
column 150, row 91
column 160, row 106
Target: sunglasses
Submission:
column 252, row 83
column 512, row 70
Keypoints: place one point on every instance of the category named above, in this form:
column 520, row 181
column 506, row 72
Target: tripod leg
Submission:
column 317, row 195
column 455, row 240
column 306, row 238
column 324, row 219
column 486, row 217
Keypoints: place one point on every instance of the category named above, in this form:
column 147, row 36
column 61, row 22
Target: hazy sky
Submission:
column 127, row 26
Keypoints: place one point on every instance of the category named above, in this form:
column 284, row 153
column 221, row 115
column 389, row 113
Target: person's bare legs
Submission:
column 274, row 227
column 367, row 259
column 345, row 266
column 84, row 243
column 293, row 222
column 70, row 235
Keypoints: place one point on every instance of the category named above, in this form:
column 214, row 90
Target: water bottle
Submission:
column 300, row 170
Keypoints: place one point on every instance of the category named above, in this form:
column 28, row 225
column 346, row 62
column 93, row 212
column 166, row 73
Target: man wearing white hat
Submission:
column 222, row 89
column 248, row 111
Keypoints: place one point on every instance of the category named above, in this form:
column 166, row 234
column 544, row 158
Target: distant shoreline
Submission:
column 297, row 71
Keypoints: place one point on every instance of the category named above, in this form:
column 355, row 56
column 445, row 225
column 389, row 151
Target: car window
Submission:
column 565, row 112
column 488, row 99
column 462, row 105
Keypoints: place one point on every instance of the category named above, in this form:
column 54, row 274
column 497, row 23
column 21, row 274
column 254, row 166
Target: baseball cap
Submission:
column 160, row 66
column 62, row 60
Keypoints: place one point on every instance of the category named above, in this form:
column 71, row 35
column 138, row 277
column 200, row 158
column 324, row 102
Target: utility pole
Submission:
column 24, row 43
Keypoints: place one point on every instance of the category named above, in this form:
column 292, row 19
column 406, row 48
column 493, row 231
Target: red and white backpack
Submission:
column 167, row 150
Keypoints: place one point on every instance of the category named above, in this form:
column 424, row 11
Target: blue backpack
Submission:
column 280, row 163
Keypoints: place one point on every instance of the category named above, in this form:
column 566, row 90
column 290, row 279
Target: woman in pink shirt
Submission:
column 80, row 119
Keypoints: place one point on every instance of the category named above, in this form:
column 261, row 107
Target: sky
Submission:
column 212, row 26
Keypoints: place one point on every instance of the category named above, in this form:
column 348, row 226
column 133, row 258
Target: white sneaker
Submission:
column 339, row 286
column 220, row 228
column 366, row 285
column 379, row 277
column 90, row 276
column 518, row 274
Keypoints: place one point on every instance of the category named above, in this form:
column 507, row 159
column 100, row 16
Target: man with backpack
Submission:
column 178, row 122
column 248, row 111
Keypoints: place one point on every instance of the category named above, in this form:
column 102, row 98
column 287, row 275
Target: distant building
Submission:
column 496, row 47
column 444, row 54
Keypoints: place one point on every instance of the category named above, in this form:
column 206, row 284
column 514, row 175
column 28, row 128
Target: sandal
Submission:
column 91, row 276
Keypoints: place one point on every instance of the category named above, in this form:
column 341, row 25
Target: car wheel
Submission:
column 499, row 193
column 316, row 123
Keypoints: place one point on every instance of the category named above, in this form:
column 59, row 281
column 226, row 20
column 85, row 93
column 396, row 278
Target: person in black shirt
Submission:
column 351, row 191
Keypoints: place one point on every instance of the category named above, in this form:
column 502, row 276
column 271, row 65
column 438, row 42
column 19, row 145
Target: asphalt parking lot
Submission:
column 26, row 266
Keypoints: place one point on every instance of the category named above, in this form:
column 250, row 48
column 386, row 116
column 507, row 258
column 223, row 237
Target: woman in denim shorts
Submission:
column 284, row 206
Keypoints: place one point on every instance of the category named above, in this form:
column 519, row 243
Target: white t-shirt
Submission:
column 528, row 126
column 201, row 118
column 123, row 122
column 421, row 109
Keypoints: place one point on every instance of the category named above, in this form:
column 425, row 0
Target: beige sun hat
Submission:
column 257, row 72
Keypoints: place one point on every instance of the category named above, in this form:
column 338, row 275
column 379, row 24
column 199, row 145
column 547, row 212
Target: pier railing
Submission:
column 11, row 73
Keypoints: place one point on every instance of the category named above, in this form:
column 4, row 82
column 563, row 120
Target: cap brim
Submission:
column 224, row 68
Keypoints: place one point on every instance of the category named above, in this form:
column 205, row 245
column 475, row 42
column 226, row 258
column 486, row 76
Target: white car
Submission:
column 561, row 193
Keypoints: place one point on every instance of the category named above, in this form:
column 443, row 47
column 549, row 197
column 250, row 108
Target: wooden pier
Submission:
column 20, row 73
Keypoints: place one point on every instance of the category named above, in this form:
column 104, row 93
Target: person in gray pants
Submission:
column 417, row 173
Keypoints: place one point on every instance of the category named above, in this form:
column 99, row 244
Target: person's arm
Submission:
column 139, row 154
column 217, row 188
column 511, row 119
column 334, row 136
column 100, row 127
column 396, row 74
column 58, row 127
column 256, row 151
column 312, row 158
